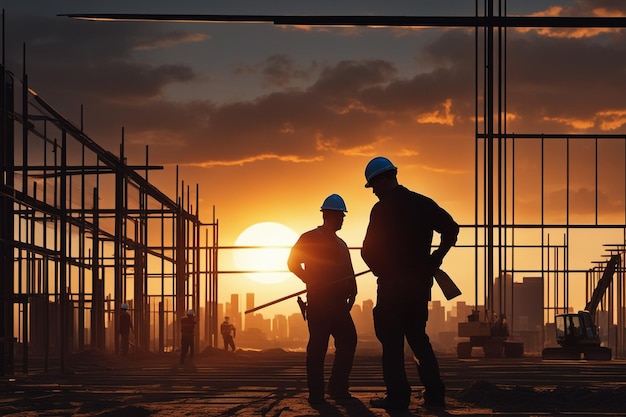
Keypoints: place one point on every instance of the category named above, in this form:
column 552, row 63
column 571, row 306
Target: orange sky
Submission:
column 270, row 120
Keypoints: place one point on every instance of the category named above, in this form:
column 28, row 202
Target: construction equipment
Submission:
column 576, row 333
column 491, row 335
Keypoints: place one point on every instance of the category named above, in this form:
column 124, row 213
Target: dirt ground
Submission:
column 272, row 383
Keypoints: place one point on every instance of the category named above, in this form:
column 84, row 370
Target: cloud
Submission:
column 169, row 40
column 555, row 80
column 102, row 64
column 442, row 115
column 278, row 70
column 348, row 107
column 256, row 158
column 580, row 8
column 584, row 201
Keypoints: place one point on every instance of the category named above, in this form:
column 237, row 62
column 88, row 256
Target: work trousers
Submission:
column 186, row 345
column 229, row 341
column 397, row 318
column 323, row 323
column 124, row 342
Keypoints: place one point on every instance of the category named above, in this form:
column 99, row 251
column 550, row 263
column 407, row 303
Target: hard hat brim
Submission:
column 376, row 173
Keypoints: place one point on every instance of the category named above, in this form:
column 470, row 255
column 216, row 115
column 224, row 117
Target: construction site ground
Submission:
column 273, row 383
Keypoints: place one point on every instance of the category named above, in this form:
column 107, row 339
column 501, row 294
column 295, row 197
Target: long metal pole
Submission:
column 295, row 294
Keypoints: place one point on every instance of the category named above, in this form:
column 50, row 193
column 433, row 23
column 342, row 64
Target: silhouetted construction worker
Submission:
column 322, row 261
column 397, row 248
column 229, row 332
column 125, row 326
column 187, row 329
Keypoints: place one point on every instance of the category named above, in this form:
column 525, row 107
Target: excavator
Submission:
column 576, row 333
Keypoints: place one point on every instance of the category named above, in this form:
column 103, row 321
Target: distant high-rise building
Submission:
column 298, row 329
column 528, row 304
column 280, row 329
column 436, row 319
column 250, row 322
column 520, row 302
column 367, row 324
column 234, row 314
column 249, row 301
column 463, row 311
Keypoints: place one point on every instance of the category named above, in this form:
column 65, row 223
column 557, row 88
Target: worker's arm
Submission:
column 373, row 250
column 296, row 261
column 449, row 231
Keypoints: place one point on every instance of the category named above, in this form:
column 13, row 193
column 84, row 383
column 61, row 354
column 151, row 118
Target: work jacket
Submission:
column 397, row 244
column 187, row 326
column 328, row 272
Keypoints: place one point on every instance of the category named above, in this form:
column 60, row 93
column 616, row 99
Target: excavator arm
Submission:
column 603, row 284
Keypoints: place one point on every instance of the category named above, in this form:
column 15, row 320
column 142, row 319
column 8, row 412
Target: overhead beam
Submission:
column 399, row 21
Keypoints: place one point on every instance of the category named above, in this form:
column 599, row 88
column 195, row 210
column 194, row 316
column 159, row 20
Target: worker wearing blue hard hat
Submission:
column 321, row 259
column 397, row 248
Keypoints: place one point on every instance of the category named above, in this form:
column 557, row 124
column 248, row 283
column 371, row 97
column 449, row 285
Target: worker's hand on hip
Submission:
column 351, row 300
column 436, row 258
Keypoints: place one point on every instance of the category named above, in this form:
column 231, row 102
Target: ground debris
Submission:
column 559, row 399
column 126, row 411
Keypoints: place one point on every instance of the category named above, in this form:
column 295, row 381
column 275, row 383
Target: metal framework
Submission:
column 62, row 247
column 69, row 256
column 495, row 228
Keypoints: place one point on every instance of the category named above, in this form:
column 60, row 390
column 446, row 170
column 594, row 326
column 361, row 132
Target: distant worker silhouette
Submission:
column 125, row 326
column 187, row 330
column 322, row 261
column 397, row 248
column 229, row 332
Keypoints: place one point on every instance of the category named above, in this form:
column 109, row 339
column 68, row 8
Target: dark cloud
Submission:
column 565, row 79
column 279, row 70
column 349, row 77
column 100, row 65
column 303, row 122
column 347, row 106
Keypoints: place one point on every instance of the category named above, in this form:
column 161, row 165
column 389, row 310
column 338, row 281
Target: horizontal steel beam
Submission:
column 408, row 21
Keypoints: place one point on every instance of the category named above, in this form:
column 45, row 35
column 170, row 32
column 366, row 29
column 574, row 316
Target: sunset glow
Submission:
column 274, row 241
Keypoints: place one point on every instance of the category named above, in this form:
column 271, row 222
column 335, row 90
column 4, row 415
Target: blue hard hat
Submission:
column 376, row 167
column 334, row 202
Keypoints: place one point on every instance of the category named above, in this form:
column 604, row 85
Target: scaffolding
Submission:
column 70, row 256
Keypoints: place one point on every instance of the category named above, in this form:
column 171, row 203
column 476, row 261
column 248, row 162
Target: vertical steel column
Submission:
column 81, row 255
column 97, row 284
column 489, row 97
column 162, row 301
column 7, row 171
column 214, row 280
column 181, row 271
column 196, row 269
column 117, row 250
column 26, row 276
column 63, row 255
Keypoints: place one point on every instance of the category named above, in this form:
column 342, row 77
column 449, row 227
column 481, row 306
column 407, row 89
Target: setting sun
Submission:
column 264, row 251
